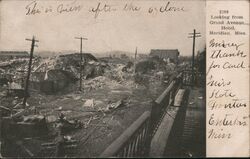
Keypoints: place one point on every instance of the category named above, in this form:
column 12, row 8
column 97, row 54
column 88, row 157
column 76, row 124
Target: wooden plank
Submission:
column 19, row 143
column 179, row 97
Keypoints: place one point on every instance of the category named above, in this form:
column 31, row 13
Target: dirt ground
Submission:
column 101, row 127
column 94, row 107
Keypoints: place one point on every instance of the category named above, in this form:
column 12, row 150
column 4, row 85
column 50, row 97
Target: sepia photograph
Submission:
column 93, row 78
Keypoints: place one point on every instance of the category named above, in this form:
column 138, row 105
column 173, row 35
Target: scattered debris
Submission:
column 67, row 125
column 59, row 108
column 115, row 105
column 117, row 78
column 76, row 97
column 4, row 108
column 5, row 111
column 20, row 105
column 14, row 85
column 61, row 145
column 51, row 118
column 89, row 103
column 112, row 106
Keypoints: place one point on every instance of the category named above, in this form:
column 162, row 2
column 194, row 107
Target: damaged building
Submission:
column 77, row 56
column 167, row 54
column 56, row 73
column 50, row 81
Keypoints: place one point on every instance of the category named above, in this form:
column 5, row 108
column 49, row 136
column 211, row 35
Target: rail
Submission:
column 199, row 78
column 133, row 142
column 163, row 101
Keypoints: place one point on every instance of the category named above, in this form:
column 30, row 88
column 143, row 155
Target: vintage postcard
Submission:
column 124, row 78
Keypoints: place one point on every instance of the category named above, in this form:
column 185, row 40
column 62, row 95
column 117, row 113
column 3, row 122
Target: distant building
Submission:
column 124, row 56
column 12, row 54
column 172, row 55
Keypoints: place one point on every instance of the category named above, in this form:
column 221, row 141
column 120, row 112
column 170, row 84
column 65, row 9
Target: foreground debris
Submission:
column 114, row 94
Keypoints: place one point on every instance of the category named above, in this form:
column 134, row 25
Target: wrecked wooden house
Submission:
column 50, row 81
column 87, row 57
column 91, row 66
column 171, row 54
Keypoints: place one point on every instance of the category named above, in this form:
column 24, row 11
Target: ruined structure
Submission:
column 172, row 55
column 12, row 54
column 49, row 82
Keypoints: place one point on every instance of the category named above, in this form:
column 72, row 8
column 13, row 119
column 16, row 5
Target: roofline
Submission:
column 165, row 49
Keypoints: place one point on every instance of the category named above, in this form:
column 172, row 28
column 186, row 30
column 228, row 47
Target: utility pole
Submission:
column 81, row 38
column 135, row 59
column 33, row 41
column 193, row 35
column 135, row 52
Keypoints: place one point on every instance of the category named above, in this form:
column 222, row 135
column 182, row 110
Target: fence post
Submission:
column 153, row 117
column 148, row 138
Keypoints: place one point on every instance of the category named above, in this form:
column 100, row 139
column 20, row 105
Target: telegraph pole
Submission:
column 81, row 38
column 135, row 52
column 193, row 35
column 135, row 59
column 33, row 41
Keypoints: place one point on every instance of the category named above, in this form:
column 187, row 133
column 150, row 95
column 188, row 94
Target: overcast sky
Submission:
column 116, row 30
